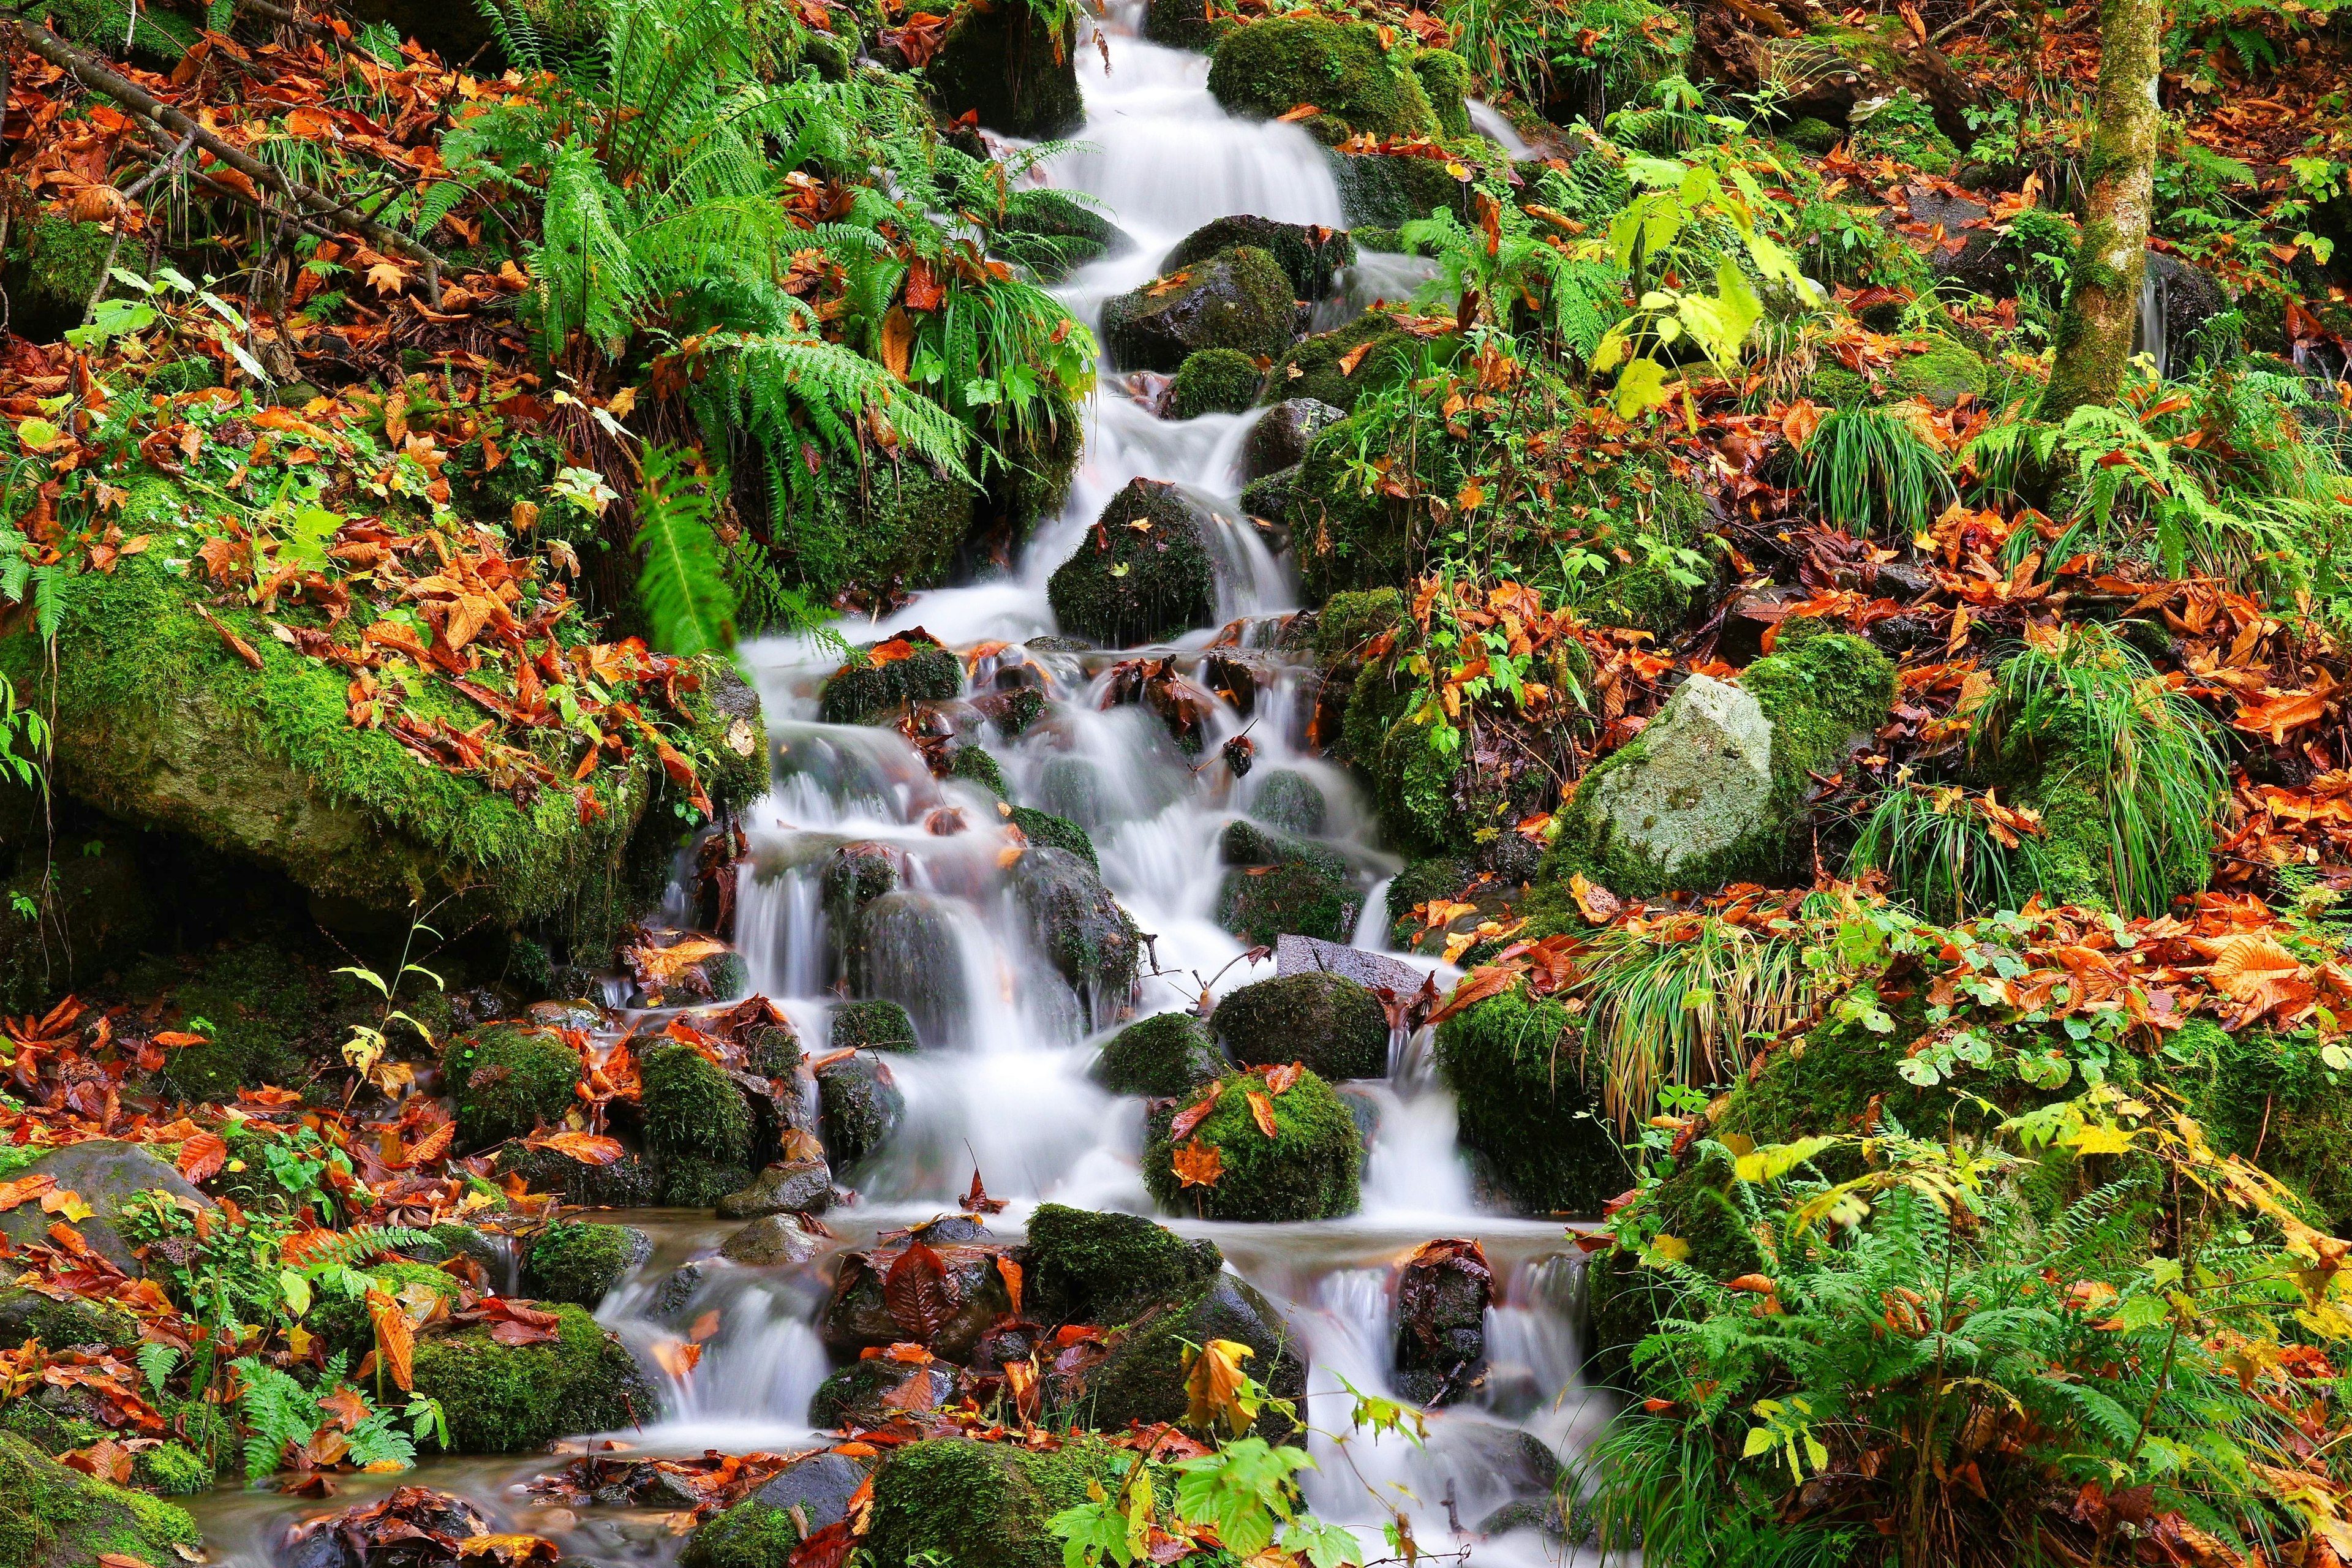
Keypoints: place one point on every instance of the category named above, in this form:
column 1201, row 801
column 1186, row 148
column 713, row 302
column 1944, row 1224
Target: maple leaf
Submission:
column 1217, row 1389
column 386, row 277
column 1198, row 1165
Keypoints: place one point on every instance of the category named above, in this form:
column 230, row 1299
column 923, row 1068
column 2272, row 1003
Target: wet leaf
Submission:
column 1262, row 1113
column 1198, row 1165
column 394, row 1338
column 1279, row 1079
column 1217, row 1389
column 588, row 1148
column 201, row 1156
column 1192, row 1116
column 918, row 1292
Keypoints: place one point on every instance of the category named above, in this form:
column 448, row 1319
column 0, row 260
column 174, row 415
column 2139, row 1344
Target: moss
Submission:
column 342, row 1321
column 260, row 1000
column 171, row 1469
column 692, row 1182
column 862, row 692
column 1311, row 367
column 1336, row 1026
column 1166, row 1054
column 692, row 1109
column 581, row 1263
column 981, row 1505
column 860, row 1105
column 1142, row 1380
column 1309, row 256
column 2272, row 1099
column 627, row 1183
column 30, row 1315
column 1526, row 1113
column 1445, row 81
column 1834, row 387
column 1054, row 234
column 1811, row 135
column 1214, row 381
column 1940, row 375
column 1389, row 190
column 1272, row 67
column 872, row 1026
column 1132, row 584
column 1294, row 898
column 1290, row 800
column 976, row 764
column 157, row 721
column 56, row 272
column 1055, row 833
column 1412, row 781
column 512, row 1399
column 1345, row 538
column 508, row 1081
column 1095, row 1268
column 1005, row 66
column 1238, row 299
column 1642, row 594
column 1308, row 1170
column 51, row 1517
column 1352, row 618
column 772, row 1051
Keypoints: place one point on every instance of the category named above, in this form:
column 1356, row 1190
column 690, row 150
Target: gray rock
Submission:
column 1290, row 800
column 1281, row 436
column 1309, row 255
column 862, row 1106
column 677, row 1287
column 1373, row 971
column 1075, row 923
column 819, row 1486
column 1238, row 299
column 105, row 1173
column 1702, row 782
column 774, row 1240
column 795, row 1187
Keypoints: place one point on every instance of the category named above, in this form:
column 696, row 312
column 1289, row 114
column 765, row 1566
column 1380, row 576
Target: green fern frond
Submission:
column 682, row 587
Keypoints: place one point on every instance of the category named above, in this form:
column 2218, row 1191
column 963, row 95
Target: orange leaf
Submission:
column 677, row 1357
column 1198, row 1165
column 924, row 291
column 1192, row 1116
column 1010, row 1272
column 1279, row 1079
column 588, row 1148
column 201, row 1156
column 1262, row 1113
column 23, row 1189
column 1352, row 358
column 395, row 1341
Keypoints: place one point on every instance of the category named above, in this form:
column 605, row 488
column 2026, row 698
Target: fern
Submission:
column 363, row 1242
column 683, row 588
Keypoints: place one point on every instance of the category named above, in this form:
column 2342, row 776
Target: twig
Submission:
column 96, row 75
column 114, row 246
column 1948, row 28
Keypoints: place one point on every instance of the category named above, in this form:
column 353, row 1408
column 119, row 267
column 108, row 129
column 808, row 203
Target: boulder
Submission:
column 1283, row 433
column 1007, row 66
column 627, row 1183
column 53, row 1517
column 1089, row 1267
column 1826, row 66
column 869, row 522
column 1214, row 381
column 906, row 949
column 1128, row 584
column 1074, row 788
column 981, row 1505
column 865, row 688
column 1309, row 255
column 1389, row 190
column 1055, row 833
column 876, row 1390
column 1707, row 794
column 1053, row 234
column 876, row 1025
column 693, row 1110
column 770, row 1241
column 1183, row 24
column 1164, row 1055
column 1337, row 1027
column 1325, row 367
column 1289, row 801
column 1279, row 884
column 1076, row 924
column 879, row 1294
column 862, row 1106
column 1446, row 82
column 1237, row 298
column 1526, row 1114
column 766, row 1529
column 2187, row 296
column 1268, row 499
column 1309, row 1169
column 363, row 1535
column 1442, row 1294
column 581, row 1263
column 1143, row 1379
column 1940, row 377
column 106, row 1173
column 26, row 1314
column 1270, row 68
column 854, row 876
column 512, row 1399
column 792, row 1186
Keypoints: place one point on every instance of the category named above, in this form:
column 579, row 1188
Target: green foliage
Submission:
column 1872, row 472
column 683, row 589
column 1942, row 849
column 278, row 1413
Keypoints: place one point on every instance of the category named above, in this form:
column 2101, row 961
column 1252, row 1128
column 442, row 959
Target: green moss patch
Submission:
column 51, row 1517
column 1167, row 1054
column 1526, row 1111
column 509, row 1081
column 1270, row 68
column 512, row 1399
column 1214, row 381
column 692, row 1109
column 1334, row 1025
column 1309, row 1169
column 581, row 1263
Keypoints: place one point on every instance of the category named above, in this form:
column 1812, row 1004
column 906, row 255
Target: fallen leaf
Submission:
column 1262, row 1113
column 395, row 1341
column 1198, row 1165
column 918, row 1292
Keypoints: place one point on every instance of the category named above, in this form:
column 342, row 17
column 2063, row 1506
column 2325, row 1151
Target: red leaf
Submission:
column 201, row 1156
column 1192, row 1116
column 918, row 1292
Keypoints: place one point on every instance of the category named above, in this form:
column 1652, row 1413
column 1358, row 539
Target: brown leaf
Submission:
column 1352, row 358
column 1597, row 903
column 1192, row 1116
column 1279, row 1079
column 201, row 1156
column 897, row 341
column 924, row 290
column 23, row 1189
column 977, row 1200
column 918, row 1292
column 588, row 1148
column 395, row 1341
column 1262, row 1113
column 508, row 1550
column 1198, row 1165
column 1010, row 1272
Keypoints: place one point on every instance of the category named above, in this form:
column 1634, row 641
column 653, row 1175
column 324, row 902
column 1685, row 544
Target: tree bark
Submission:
column 2094, row 329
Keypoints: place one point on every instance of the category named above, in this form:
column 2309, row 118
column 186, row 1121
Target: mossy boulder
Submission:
column 52, row 273
column 874, row 1391
column 1005, row 66
column 1128, row 584
column 1164, row 1055
column 866, row 689
column 1270, row 68
column 2272, row 1099
column 786, row 1187
column 26, row 1314
column 1289, row 800
column 1941, row 376
column 1076, row 924
column 582, row 1262
column 629, row 1182
column 513, row 1399
column 1283, row 433
column 860, row 1105
column 52, row 1517
column 981, row 1505
column 1337, row 1027
column 1445, row 81
column 107, row 1174
column 975, row 764
column 692, row 1109
column 870, row 521
column 1309, row 255
column 1238, row 299
column 1055, row 833
column 1185, row 24
column 1095, row 1268
column 1326, row 367
column 1812, row 135
column 1310, row 1169
column 260, row 1002
column 1708, row 793
column 1279, row 885
column 1143, row 1379
column 1389, row 190
column 765, row 1529
column 1054, row 234
column 1214, row 381
column 1351, row 619
column 510, row 1079
column 1515, row 1066
column 341, row 1322
column 877, row 1025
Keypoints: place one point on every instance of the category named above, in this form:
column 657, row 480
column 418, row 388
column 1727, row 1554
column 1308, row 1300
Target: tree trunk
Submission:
column 2094, row 330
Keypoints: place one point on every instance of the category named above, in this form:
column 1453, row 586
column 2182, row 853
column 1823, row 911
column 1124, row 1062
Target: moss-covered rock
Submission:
column 259, row 1002
column 52, row 274
column 1445, row 81
column 872, row 1026
column 1128, row 584
column 1054, row 234
column 1615, row 53
column 873, row 1391
column 693, row 1110
column 1309, row 1169
column 581, row 1263
column 1389, row 190
column 629, row 1182
column 981, row 1505
column 1076, row 924
column 51, row 1517
column 1941, row 375
column 27, row 1314
column 765, row 1529
column 1326, row 367
column 1214, row 381
column 864, row 691
column 2272, row 1099
column 1238, row 299
column 1283, row 886
column 1289, row 800
column 1514, row 1065
column 1164, row 1055
column 1282, row 434
column 1338, row 1028
column 341, row 1322
column 1005, row 66
column 1142, row 1380
column 1707, row 795
column 1095, row 1267
column 1351, row 619
column 109, row 1175
column 1055, row 833
column 861, row 1314
column 872, row 521
column 1270, row 68
column 1309, row 255
column 510, row 1079
column 512, row 1399
column 1812, row 135
column 976, row 764
column 860, row 1105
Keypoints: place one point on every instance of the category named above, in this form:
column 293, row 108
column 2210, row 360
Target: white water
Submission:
column 1003, row 1080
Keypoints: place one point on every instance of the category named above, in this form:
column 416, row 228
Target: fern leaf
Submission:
column 683, row 587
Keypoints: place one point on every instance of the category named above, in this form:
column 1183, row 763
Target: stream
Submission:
column 1001, row 1083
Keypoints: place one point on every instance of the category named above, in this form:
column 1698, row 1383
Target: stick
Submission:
column 96, row 77
column 114, row 246
column 1948, row 28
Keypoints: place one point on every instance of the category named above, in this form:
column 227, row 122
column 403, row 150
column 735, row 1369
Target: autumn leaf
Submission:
column 1279, row 1079
column 1010, row 1272
column 67, row 1204
column 395, row 1341
column 1198, row 1165
column 23, row 1189
column 1217, row 1389
column 897, row 341
column 924, row 291
column 918, row 1292
column 678, row 1358
column 2275, row 715
column 201, row 1156
column 1262, row 1113
column 977, row 1201
column 1597, row 903
column 1192, row 1116
column 1352, row 358
column 508, row 1550
column 588, row 1148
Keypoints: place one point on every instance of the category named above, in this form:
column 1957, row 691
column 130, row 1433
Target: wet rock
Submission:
column 1283, row 433
column 693, row 1110
column 872, row 1026
column 579, row 1014
column 1325, row 367
column 1238, row 299
column 906, row 949
column 796, row 1186
column 2187, row 297
column 863, row 690
column 1268, row 499
column 862, row 1106
column 581, row 1263
column 1269, row 68
column 1073, row 787
column 806, row 1496
column 627, row 1183
column 958, row 1283
column 1442, row 1294
column 512, row 1399
column 877, row 1390
column 1089, row 1267
column 1309, row 255
column 1847, row 64
column 1075, row 923
column 770, row 1241
column 1308, row 1170
column 1537, row 1131
column 1005, row 66
column 1143, row 1379
column 1167, row 1054
column 26, row 1314
column 1128, row 584
column 1337, row 1027
column 1054, row 234
column 509, row 1081
column 1526, row 1513
column 678, row 1287
column 1012, row 712
column 1181, row 24
column 1214, row 381
column 415, row 1527
column 1280, row 885
column 1291, row 802
column 106, row 1173
column 854, row 876
column 1055, row 833
column 976, row 764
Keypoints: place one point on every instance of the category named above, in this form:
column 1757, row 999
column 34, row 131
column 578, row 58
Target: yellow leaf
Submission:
column 1217, row 1389
column 67, row 1204
column 2104, row 1139
column 1673, row 1249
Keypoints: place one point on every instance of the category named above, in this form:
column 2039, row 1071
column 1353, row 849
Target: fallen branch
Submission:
column 101, row 78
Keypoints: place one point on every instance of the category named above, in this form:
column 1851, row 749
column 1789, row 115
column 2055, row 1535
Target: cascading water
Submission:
column 1002, row 1080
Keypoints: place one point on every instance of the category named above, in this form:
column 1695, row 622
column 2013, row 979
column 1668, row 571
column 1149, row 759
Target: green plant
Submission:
column 1944, row 850
column 280, row 1414
column 683, row 587
column 1871, row 471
